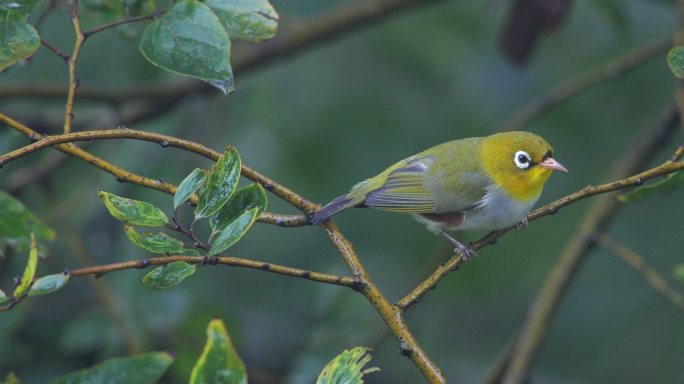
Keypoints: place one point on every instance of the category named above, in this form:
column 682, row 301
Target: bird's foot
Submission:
column 464, row 251
column 523, row 223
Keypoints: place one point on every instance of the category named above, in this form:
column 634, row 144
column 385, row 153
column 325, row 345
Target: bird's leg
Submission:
column 523, row 223
column 465, row 251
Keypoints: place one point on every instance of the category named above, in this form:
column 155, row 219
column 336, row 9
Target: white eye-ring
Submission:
column 522, row 159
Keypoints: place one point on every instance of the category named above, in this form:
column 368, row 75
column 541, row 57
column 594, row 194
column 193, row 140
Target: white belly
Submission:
column 497, row 211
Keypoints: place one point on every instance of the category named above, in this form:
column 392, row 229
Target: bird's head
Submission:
column 519, row 162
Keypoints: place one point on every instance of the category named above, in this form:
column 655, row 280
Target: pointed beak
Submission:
column 552, row 164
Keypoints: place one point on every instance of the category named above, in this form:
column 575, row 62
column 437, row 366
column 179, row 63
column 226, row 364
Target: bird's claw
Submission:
column 465, row 252
column 523, row 223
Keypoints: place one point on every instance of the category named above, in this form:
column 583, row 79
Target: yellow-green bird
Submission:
column 479, row 183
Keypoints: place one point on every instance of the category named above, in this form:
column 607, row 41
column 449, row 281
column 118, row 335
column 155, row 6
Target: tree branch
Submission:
column 123, row 175
column 99, row 270
column 609, row 71
column 73, row 82
column 637, row 262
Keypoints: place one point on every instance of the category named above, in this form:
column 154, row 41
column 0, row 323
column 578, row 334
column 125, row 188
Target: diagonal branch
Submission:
column 610, row 71
column 634, row 260
column 124, row 175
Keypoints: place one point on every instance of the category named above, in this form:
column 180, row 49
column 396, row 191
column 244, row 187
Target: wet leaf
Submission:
column 190, row 40
column 347, row 367
column 48, row 284
column 232, row 232
column 219, row 362
column 154, row 242
column 3, row 296
column 18, row 39
column 671, row 183
column 188, row 186
column 251, row 196
column 29, row 271
column 250, row 20
column 675, row 60
column 17, row 223
column 220, row 184
column 133, row 212
column 169, row 275
column 145, row 368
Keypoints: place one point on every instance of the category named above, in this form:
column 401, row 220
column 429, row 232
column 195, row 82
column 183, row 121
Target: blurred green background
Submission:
column 318, row 122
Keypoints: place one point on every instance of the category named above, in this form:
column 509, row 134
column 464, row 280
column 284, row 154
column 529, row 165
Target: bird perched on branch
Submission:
column 479, row 183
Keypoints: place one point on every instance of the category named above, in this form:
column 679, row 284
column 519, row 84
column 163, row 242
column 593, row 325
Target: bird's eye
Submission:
column 522, row 160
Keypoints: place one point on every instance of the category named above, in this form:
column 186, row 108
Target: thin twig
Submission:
column 73, row 82
column 117, row 23
column 634, row 260
column 610, row 71
column 99, row 270
column 55, row 50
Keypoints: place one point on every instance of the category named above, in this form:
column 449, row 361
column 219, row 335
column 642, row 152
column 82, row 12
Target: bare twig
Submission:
column 56, row 51
column 637, row 262
column 73, row 82
column 99, row 270
column 117, row 23
column 612, row 70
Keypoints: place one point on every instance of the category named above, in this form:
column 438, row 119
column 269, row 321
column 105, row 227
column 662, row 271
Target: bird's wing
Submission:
column 404, row 189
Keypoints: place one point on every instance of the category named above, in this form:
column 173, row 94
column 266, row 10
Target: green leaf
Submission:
column 139, row 369
column 3, row 296
column 219, row 362
column 671, row 183
column 107, row 11
column 169, row 275
column 23, row 7
column 190, row 40
column 17, row 223
column 133, row 212
column 251, row 196
column 154, row 242
column 675, row 59
column 250, row 20
column 188, row 186
column 48, row 284
column 347, row 367
column 18, row 39
column 220, row 184
column 678, row 272
column 29, row 271
column 233, row 231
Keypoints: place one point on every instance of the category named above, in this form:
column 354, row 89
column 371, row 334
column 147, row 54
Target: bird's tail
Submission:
column 339, row 204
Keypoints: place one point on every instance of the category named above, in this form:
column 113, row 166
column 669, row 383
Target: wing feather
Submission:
column 404, row 190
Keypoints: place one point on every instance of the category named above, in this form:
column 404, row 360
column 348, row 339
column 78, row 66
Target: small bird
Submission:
column 479, row 183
